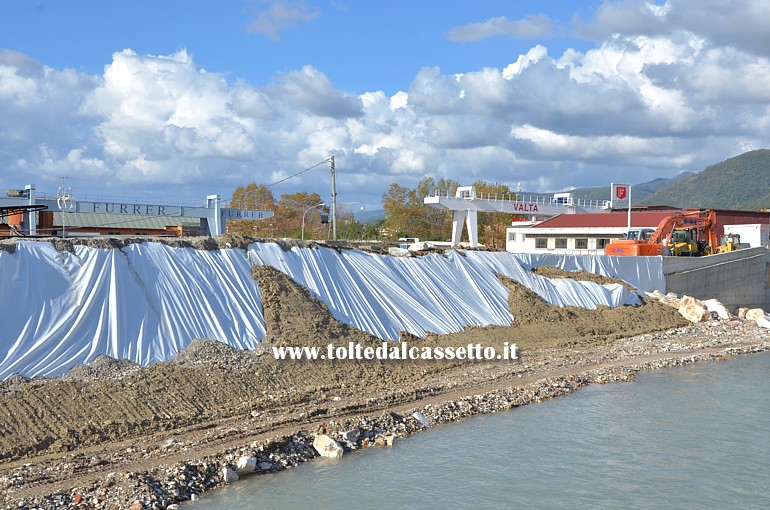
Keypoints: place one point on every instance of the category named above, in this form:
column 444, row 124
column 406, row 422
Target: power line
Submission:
column 282, row 180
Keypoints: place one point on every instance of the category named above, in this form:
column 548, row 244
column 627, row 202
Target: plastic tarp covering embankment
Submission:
column 644, row 273
column 431, row 294
column 146, row 302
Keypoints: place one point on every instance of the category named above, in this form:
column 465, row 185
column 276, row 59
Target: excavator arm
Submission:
column 704, row 220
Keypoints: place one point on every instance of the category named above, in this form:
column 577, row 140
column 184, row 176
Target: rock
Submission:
column 229, row 475
column 399, row 252
column 673, row 302
column 350, row 436
column 327, row 447
column 754, row 314
column 764, row 321
column 172, row 506
column 688, row 300
column 714, row 305
column 419, row 246
column 741, row 312
column 136, row 506
column 694, row 312
column 265, row 466
column 655, row 294
column 424, row 421
column 246, row 465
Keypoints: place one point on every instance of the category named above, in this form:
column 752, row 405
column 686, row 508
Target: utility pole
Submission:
column 334, row 202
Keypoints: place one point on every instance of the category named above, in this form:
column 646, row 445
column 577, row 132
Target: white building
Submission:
column 752, row 235
column 577, row 234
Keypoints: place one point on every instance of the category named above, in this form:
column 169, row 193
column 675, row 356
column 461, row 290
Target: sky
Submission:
column 172, row 101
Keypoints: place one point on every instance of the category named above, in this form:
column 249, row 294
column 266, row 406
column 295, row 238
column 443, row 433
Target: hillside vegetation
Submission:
column 640, row 191
column 742, row 182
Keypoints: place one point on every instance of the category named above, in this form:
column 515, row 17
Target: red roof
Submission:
column 609, row 219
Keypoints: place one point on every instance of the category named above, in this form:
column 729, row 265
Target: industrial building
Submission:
column 24, row 213
column 588, row 234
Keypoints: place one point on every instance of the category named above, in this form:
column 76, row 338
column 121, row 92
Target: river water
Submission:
column 689, row 437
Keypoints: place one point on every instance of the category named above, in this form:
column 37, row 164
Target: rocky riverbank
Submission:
column 114, row 435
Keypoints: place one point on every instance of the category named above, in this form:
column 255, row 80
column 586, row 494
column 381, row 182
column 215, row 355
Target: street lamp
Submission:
column 352, row 213
column 305, row 213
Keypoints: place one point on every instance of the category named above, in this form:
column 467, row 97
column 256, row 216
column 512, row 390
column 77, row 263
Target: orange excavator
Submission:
column 690, row 233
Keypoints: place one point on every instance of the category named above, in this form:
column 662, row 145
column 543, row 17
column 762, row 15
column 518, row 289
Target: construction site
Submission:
column 113, row 345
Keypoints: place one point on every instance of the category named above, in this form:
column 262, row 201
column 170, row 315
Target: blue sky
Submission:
column 361, row 46
column 185, row 98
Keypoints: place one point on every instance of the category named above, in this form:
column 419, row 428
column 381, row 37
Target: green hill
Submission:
column 640, row 191
column 742, row 182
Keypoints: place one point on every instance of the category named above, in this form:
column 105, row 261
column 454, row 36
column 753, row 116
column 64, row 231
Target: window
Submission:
column 541, row 243
column 512, row 236
column 601, row 243
column 561, row 242
column 581, row 244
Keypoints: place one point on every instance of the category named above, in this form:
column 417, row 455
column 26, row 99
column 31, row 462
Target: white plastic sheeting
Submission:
column 386, row 295
column 147, row 301
column 144, row 303
column 644, row 273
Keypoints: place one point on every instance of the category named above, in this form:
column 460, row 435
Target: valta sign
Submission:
column 524, row 207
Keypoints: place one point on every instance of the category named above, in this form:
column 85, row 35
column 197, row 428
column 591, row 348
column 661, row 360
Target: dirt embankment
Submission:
column 114, row 406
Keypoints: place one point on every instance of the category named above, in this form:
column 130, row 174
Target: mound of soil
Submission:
column 580, row 275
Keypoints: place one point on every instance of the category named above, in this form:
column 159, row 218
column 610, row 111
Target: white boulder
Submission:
column 688, row 300
column 229, row 475
column 246, row 465
column 395, row 251
column 327, row 447
column 714, row 305
column 693, row 312
column 672, row 301
column 419, row 246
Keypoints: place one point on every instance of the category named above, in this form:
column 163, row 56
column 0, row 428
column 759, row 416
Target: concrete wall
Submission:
column 740, row 278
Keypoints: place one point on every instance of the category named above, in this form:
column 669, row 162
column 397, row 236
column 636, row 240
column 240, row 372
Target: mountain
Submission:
column 742, row 182
column 639, row 191
column 370, row 217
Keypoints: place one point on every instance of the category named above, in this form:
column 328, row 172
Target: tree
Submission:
column 290, row 211
column 406, row 214
column 395, row 204
column 492, row 225
column 254, row 197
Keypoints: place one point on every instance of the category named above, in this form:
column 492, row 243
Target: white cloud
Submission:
column 738, row 23
column 538, row 25
column 280, row 16
column 310, row 90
